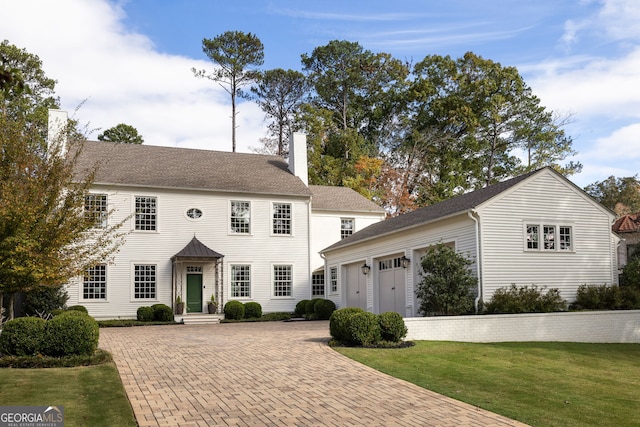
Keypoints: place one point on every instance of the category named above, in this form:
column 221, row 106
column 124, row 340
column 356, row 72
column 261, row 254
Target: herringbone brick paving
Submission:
column 267, row 374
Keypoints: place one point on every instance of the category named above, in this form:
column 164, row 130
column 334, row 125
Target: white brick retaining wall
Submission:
column 583, row 326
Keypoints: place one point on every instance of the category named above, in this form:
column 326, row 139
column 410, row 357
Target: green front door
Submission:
column 194, row 293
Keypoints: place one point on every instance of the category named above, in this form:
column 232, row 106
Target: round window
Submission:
column 194, row 213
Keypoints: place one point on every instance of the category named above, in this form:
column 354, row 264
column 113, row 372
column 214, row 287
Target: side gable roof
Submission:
column 184, row 168
column 327, row 198
column 446, row 208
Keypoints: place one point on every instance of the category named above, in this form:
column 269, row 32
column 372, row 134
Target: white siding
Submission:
column 413, row 243
column 260, row 249
column 545, row 199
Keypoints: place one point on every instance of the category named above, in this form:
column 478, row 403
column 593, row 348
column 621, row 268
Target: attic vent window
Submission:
column 194, row 213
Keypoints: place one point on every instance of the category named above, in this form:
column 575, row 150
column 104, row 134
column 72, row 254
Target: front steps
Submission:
column 199, row 318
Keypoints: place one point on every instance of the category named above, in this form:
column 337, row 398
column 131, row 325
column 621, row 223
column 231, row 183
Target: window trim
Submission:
column 542, row 232
column 231, row 280
column 133, row 281
column 186, row 214
column 104, row 214
column 273, row 281
column 333, row 280
column 231, row 230
column 94, row 283
column 344, row 235
column 156, row 221
column 314, row 276
column 273, row 233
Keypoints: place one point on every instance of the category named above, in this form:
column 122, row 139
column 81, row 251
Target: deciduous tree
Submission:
column 621, row 195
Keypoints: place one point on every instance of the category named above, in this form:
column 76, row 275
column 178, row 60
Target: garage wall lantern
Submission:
column 365, row 268
column 405, row 261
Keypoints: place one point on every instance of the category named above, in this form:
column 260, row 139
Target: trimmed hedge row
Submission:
column 155, row 313
column 354, row 326
column 71, row 333
column 315, row 309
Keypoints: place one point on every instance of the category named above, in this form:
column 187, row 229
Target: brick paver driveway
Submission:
column 267, row 374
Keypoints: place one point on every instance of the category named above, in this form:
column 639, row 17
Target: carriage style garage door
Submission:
column 356, row 283
column 392, row 289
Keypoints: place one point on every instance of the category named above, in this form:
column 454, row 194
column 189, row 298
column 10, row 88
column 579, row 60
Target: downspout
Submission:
column 309, row 267
column 472, row 214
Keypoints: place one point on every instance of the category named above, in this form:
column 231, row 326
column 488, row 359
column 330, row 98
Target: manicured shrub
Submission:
column 323, row 308
column 309, row 308
column 22, row 336
column 234, row 310
column 70, row 334
column 81, row 308
column 45, row 299
column 364, row 329
column 58, row 311
column 145, row 314
column 392, row 327
column 630, row 297
column 525, row 299
column 301, row 308
column 592, row 297
column 339, row 323
column 162, row 313
column 252, row 310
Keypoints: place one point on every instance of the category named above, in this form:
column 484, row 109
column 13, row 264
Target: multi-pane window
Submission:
column 390, row 263
column 333, row 279
column 144, row 281
column 94, row 284
column 346, row 227
column 282, row 283
column 95, row 209
column 549, row 237
column 240, row 217
column 282, row 218
column 240, row 281
column 317, row 284
column 146, row 213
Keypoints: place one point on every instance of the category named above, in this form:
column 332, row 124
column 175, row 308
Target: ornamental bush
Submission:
column 323, row 308
column 22, row 336
column 70, row 334
column 45, row 299
column 252, row 310
column 339, row 322
column 81, row 308
column 392, row 327
column 234, row 310
column 309, row 308
column 591, row 297
column 144, row 314
column 364, row 329
column 525, row 299
column 301, row 308
column 162, row 313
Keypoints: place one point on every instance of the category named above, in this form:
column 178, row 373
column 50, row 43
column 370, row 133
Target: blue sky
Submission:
column 129, row 61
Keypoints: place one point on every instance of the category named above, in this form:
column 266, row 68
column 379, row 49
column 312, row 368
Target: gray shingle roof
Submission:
column 455, row 205
column 326, row 198
column 183, row 168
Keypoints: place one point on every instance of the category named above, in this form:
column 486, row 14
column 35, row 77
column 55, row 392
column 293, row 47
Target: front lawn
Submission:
column 540, row 384
column 91, row 395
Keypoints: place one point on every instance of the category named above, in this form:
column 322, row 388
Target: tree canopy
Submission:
column 122, row 133
column 621, row 195
column 237, row 54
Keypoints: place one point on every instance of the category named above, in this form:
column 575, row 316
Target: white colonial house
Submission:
column 237, row 226
column 535, row 229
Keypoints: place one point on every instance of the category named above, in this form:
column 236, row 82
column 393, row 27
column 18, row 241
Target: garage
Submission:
column 392, row 289
column 356, row 285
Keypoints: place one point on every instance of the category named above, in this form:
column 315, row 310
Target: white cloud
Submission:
column 84, row 45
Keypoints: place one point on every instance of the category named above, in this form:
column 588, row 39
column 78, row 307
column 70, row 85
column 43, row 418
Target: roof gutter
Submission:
column 473, row 215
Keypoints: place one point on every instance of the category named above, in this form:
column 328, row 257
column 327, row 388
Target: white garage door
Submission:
column 392, row 289
column 356, row 286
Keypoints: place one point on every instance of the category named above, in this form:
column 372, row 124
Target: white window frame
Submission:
column 92, row 280
column 346, row 232
column 154, row 214
column 232, row 217
column 232, row 280
column 548, row 236
column 195, row 210
column 274, row 219
column 274, row 286
column 333, row 280
column 134, row 282
column 99, row 216
column 316, row 285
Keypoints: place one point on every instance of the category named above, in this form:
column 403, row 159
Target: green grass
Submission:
column 540, row 384
column 91, row 395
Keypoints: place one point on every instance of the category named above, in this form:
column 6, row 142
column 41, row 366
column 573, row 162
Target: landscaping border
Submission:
column 581, row 326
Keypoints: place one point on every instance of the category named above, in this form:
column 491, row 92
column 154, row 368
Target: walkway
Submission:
column 267, row 374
